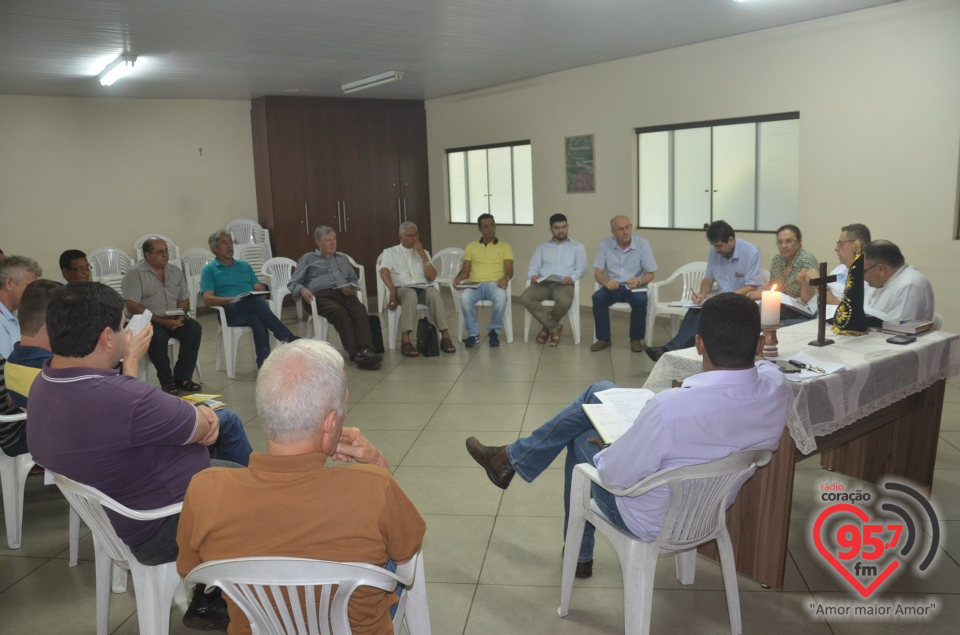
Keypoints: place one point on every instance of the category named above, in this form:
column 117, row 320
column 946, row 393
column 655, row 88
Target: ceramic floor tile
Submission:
column 573, row 373
column 557, row 392
column 948, row 454
column 445, row 448
column 944, row 622
column 515, row 353
column 359, row 389
column 454, row 547
column 483, row 372
column 542, row 497
column 458, row 491
column 477, row 417
column 539, row 413
column 950, row 418
column 246, row 410
column 481, row 392
column 239, row 391
column 376, row 416
column 449, row 606
column 532, row 610
column 15, row 568
column 45, row 523
column 418, row 372
column 404, row 392
column 946, row 491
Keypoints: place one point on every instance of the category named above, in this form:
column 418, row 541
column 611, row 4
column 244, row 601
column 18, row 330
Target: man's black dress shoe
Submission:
column 584, row 569
column 654, row 353
column 367, row 359
column 493, row 460
column 207, row 611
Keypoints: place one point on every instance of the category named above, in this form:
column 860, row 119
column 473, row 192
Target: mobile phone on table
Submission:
column 901, row 339
column 787, row 368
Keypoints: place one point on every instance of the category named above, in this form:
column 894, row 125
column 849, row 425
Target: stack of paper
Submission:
column 806, row 374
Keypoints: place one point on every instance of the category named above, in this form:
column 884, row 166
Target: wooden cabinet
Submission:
column 356, row 165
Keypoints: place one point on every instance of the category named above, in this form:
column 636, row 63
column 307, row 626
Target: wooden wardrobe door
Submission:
column 323, row 170
column 414, row 184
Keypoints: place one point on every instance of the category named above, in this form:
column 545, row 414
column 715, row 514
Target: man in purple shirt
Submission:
column 735, row 404
column 112, row 431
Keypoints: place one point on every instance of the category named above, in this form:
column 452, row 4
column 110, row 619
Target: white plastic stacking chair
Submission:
column 696, row 515
column 573, row 314
column 247, row 232
column 13, row 480
column 194, row 260
column 937, row 321
column 393, row 317
column 318, row 323
column 143, row 373
column 507, row 315
column 108, row 261
column 314, row 608
column 255, row 255
column 693, row 274
column 620, row 306
column 279, row 271
column 448, row 263
column 154, row 586
column 764, row 278
column 171, row 247
column 228, row 340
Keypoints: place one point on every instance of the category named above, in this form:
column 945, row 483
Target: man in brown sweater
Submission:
column 287, row 503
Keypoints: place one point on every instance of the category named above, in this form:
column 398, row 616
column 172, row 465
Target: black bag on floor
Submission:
column 427, row 343
column 376, row 333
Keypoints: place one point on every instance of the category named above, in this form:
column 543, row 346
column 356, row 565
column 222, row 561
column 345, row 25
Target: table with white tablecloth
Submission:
column 878, row 415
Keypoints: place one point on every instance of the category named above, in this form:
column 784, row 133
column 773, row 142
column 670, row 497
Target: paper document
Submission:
column 139, row 322
column 199, row 399
column 551, row 278
column 808, row 309
column 349, row 284
column 806, row 374
column 175, row 312
column 604, row 421
column 425, row 285
column 469, row 285
column 625, row 403
column 247, row 294
column 639, row 290
column 689, row 304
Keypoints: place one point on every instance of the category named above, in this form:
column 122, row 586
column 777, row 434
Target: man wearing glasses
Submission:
column 852, row 237
column 74, row 266
column 155, row 284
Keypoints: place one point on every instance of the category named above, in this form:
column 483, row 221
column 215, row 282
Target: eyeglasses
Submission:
column 871, row 267
column 786, row 243
column 162, row 252
column 413, row 235
column 80, row 269
column 840, row 242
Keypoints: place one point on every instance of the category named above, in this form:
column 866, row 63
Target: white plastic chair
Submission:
column 448, row 263
column 194, row 260
column 13, row 480
column 251, row 583
column 171, row 247
column 228, row 340
column 693, row 274
column 764, row 278
column 248, row 232
column 937, row 321
column 318, row 323
column 620, row 306
column 573, row 314
column 696, row 515
column 393, row 317
column 108, row 261
column 154, row 586
column 255, row 255
column 507, row 315
column 143, row 373
column 279, row 271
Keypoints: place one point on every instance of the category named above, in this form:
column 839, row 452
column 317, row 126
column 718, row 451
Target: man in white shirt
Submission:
column 16, row 272
column 408, row 273
column 565, row 258
column 735, row 404
column 898, row 289
column 852, row 237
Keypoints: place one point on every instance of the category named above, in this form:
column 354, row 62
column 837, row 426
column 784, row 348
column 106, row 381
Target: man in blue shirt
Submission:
column 624, row 266
column 16, row 272
column 561, row 257
column 223, row 279
column 734, row 264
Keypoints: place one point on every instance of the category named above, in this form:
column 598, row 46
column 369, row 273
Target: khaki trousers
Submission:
column 409, row 298
column 549, row 317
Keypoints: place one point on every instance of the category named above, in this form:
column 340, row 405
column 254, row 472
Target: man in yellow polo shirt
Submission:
column 487, row 268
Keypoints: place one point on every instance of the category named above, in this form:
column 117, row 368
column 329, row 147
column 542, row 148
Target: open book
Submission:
column 808, row 309
column 247, row 294
column 617, row 410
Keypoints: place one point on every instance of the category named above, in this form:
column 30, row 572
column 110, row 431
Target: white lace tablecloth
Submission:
column 875, row 375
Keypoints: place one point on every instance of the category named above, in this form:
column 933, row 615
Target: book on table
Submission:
column 907, row 327
column 617, row 411
column 808, row 309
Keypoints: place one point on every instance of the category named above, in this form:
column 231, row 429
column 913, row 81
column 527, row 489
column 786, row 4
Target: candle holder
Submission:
column 770, row 343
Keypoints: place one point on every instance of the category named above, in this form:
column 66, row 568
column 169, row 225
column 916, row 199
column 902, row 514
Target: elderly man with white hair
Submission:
column 16, row 272
column 303, row 508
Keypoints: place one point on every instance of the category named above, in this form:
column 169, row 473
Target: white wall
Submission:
column 879, row 101
column 88, row 173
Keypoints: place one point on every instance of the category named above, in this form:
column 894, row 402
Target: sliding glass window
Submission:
column 495, row 179
column 745, row 171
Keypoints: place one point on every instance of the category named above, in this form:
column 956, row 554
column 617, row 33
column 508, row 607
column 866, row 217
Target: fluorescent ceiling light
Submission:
column 373, row 80
column 116, row 69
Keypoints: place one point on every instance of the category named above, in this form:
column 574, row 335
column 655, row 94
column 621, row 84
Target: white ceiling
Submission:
column 242, row 49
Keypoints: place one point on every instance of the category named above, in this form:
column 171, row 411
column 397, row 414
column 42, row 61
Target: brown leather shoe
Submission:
column 599, row 345
column 542, row 335
column 555, row 336
column 493, row 460
column 636, row 346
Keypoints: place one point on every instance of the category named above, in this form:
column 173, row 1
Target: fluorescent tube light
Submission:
column 116, row 69
column 373, row 80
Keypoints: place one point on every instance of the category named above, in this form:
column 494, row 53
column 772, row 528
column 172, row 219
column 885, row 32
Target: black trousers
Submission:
column 348, row 315
column 189, row 338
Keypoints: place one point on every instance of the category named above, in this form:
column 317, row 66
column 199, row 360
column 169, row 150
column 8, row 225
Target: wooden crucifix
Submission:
column 821, row 284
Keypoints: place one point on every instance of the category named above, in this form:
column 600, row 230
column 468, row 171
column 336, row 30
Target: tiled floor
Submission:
column 493, row 557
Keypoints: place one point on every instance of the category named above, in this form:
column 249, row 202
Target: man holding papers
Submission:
column 328, row 277
column 556, row 265
column 624, row 266
column 735, row 404
column 408, row 273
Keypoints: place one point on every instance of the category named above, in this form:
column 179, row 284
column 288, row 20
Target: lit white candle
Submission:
column 770, row 307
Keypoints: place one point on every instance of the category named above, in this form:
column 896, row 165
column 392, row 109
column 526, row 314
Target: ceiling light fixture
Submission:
column 116, row 69
column 373, row 80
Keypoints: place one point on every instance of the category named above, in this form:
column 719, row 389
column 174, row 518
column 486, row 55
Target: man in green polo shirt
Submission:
column 223, row 279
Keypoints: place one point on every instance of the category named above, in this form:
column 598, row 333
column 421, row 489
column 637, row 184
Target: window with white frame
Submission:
column 494, row 179
column 745, row 171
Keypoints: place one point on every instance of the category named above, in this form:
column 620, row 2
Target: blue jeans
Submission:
column 232, row 444
column 686, row 334
column 570, row 429
column 253, row 311
column 487, row 291
column 604, row 298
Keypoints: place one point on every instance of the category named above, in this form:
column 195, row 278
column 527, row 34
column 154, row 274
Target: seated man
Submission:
column 328, row 277
column 33, row 349
column 487, row 263
column 734, row 264
column 560, row 256
column 735, row 404
column 899, row 290
column 74, row 267
column 405, row 265
column 346, row 513
column 224, row 279
column 624, row 264
column 155, row 284
column 852, row 238
column 13, row 434
column 16, row 272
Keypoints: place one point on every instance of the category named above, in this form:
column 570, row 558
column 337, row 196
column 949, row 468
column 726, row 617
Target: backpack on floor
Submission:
column 376, row 332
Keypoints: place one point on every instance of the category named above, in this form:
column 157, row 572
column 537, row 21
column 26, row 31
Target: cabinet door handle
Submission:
column 345, row 219
column 405, row 219
column 399, row 213
column 339, row 222
column 306, row 219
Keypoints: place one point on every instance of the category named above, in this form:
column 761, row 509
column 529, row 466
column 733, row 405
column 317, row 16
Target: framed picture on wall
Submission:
column 581, row 173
